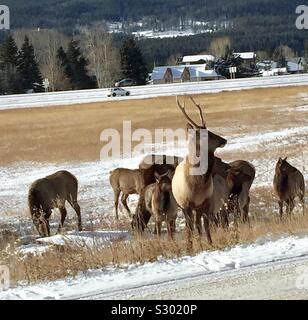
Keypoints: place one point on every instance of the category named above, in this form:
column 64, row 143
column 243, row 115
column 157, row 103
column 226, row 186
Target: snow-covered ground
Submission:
column 149, row 91
column 151, row 34
column 112, row 280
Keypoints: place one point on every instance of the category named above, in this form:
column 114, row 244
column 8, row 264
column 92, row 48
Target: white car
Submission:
column 117, row 92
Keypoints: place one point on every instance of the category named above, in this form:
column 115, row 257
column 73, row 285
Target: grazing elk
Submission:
column 158, row 201
column 288, row 184
column 193, row 192
column 50, row 193
column 125, row 181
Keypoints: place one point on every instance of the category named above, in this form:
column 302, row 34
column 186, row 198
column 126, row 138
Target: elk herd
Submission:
column 208, row 198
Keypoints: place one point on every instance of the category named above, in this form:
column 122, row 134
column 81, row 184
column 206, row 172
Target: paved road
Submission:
column 272, row 281
column 142, row 92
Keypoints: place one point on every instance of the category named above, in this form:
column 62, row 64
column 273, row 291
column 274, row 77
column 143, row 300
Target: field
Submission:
column 261, row 125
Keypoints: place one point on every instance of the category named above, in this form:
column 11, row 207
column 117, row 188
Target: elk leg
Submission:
column 124, row 202
column 290, row 206
column 207, row 229
column 63, row 213
column 158, row 227
column 171, row 229
column 224, row 219
column 188, row 214
column 302, row 200
column 76, row 207
column 280, row 209
column 246, row 211
column 198, row 223
column 116, row 202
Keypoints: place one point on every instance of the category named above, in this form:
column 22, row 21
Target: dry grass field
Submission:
column 72, row 133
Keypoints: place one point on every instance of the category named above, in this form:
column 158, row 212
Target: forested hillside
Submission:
column 250, row 24
column 52, row 13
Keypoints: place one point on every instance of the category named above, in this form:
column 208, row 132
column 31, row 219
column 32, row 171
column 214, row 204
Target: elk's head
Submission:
column 41, row 224
column 164, row 181
column 198, row 134
column 282, row 165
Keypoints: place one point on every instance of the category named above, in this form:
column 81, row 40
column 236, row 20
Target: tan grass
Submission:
column 68, row 260
column 72, row 133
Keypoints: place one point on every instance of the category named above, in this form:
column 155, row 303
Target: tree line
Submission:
column 89, row 60
column 93, row 58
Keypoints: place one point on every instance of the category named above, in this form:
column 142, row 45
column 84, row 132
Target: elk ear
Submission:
column 279, row 160
column 285, row 159
column 170, row 174
column 157, row 176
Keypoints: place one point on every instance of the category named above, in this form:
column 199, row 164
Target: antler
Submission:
column 185, row 113
column 200, row 111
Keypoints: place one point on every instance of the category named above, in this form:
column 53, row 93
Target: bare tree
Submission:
column 287, row 52
column 219, row 47
column 46, row 44
column 103, row 56
column 174, row 59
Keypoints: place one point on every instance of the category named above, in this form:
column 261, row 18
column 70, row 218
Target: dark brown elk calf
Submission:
column 125, row 181
column 158, row 201
column 288, row 184
column 243, row 174
column 50, row 193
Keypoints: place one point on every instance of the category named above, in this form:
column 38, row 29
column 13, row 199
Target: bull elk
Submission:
column 193, row 192
column 50, row 193
column 288, row 184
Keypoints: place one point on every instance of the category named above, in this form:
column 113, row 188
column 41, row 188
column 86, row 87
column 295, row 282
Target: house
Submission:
column 249, row 58
column 198, row 59
column 183, row 73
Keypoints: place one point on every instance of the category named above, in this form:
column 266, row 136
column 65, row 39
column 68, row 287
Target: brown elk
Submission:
column 245, row 175
column 159, row 164
column 125, row 181
column 228, row 184
column 130, row 181
column 288, row 184
column 158, row 201
column 50, row 193
column 193, row 192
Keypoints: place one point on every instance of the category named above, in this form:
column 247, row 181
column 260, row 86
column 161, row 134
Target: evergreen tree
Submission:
column 28, row 70
column 75, row 66
column 132, row 62
column 8, row 66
